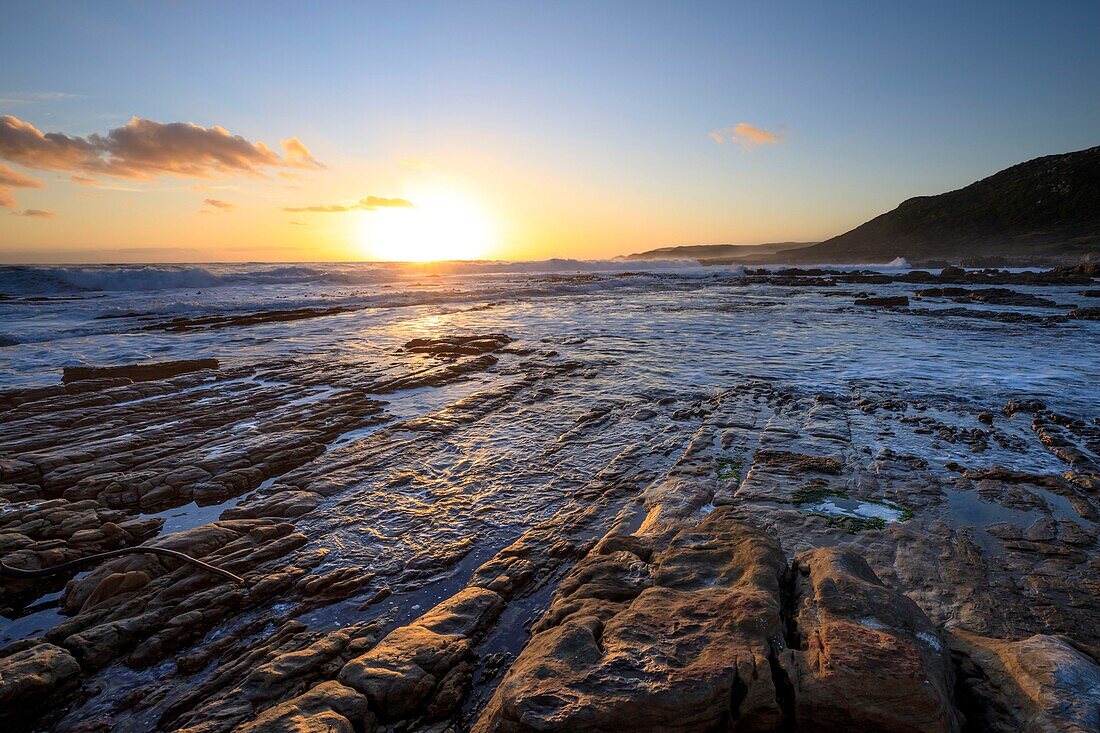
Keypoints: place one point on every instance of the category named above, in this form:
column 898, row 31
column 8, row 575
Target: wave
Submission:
column 27, row 280
column 898, row 263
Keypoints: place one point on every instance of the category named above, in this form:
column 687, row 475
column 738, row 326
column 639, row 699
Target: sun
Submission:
column 440, row 225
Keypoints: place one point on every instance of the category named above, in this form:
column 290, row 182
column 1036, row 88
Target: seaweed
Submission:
column 728, row 467
column 852, row 525
column 816, row 492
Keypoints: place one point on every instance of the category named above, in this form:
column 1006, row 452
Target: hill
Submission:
column 1044, row 211
column 715, row 251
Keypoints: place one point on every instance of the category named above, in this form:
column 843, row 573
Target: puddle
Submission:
column 836, row 506
column 192, row 515
column 34, row 623
column 317, row 395
column 39, row 617
column 967, row 510
column 971, row 509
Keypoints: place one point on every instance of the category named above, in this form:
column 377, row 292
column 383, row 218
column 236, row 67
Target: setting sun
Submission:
column 440, row 225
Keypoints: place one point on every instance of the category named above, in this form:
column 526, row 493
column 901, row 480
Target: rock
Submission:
column 1085, row 314
column 327, row 708
column 886, row 302
column 400, row 675
column 684, row 652
column 867, row 657
column 210, row 323
column 1042, row 683
column 116, row 584
column 139, row 372
column 452, row 346
column 798, row 461
column 35, row 678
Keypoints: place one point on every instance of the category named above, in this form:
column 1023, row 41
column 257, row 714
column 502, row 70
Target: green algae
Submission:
column 728, row 467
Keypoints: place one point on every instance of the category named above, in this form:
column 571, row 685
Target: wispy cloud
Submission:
column 11, row 178
column 35, row 213
column 217, row 205
column 368, row 203
column 747, row 134
column 18, row 99
column 417, row 163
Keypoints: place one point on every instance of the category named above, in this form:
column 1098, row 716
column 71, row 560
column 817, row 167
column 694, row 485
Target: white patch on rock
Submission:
column 930, row 640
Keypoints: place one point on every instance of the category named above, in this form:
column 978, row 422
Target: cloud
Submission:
column 319, row 209
column 11, row 178
column 297, row 223
column 218, row 204
column 379, row 202
column 20, row 98
column 144, row 149
column 368, row 203
column 417, row 163
column 747, row 134
column 35, row 213
column 84, row 180
column 298, row 155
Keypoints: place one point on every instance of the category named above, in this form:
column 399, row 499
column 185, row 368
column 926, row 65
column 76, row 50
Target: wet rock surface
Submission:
column 481, row 529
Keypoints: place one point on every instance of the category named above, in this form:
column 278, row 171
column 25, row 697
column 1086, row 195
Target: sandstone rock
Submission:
column 327, row 708
column 139, row 372
column 400, row 675
column 1040, row 684
column 35, row 678
column 885, row 302
column 1085, row 314
column 686, row 653
column 116, row 584
column 458, row 345
column 867, row 657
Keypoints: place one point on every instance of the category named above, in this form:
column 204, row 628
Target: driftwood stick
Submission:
column 9, row 572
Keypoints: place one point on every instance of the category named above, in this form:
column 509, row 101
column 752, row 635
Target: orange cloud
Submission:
column 11, row 178
column 298, row 155
column 747, row 134
column 144, row 149
column 35, row 213
column 219, row 205
column 320, row 208
column 376, row 202
column 368, row 203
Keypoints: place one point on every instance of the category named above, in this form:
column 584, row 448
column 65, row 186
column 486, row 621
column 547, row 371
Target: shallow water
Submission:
column 670, row 328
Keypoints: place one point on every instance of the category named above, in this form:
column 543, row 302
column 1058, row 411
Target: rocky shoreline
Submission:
column 760, row 558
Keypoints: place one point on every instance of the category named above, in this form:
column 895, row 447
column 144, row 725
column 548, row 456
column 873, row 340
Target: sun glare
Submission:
column 441, row 225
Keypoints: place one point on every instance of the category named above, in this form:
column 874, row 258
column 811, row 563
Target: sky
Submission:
column 213, row 132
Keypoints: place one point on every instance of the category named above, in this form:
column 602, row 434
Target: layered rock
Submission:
column 867, row 658
column 139, row 372
column 34, row 679
column 329, row 707
column 1041, row 683
column 675, row 638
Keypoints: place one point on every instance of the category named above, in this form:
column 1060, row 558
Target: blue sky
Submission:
column 554, row 113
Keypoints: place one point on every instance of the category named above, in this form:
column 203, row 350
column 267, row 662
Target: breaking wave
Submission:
column 45, row 280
